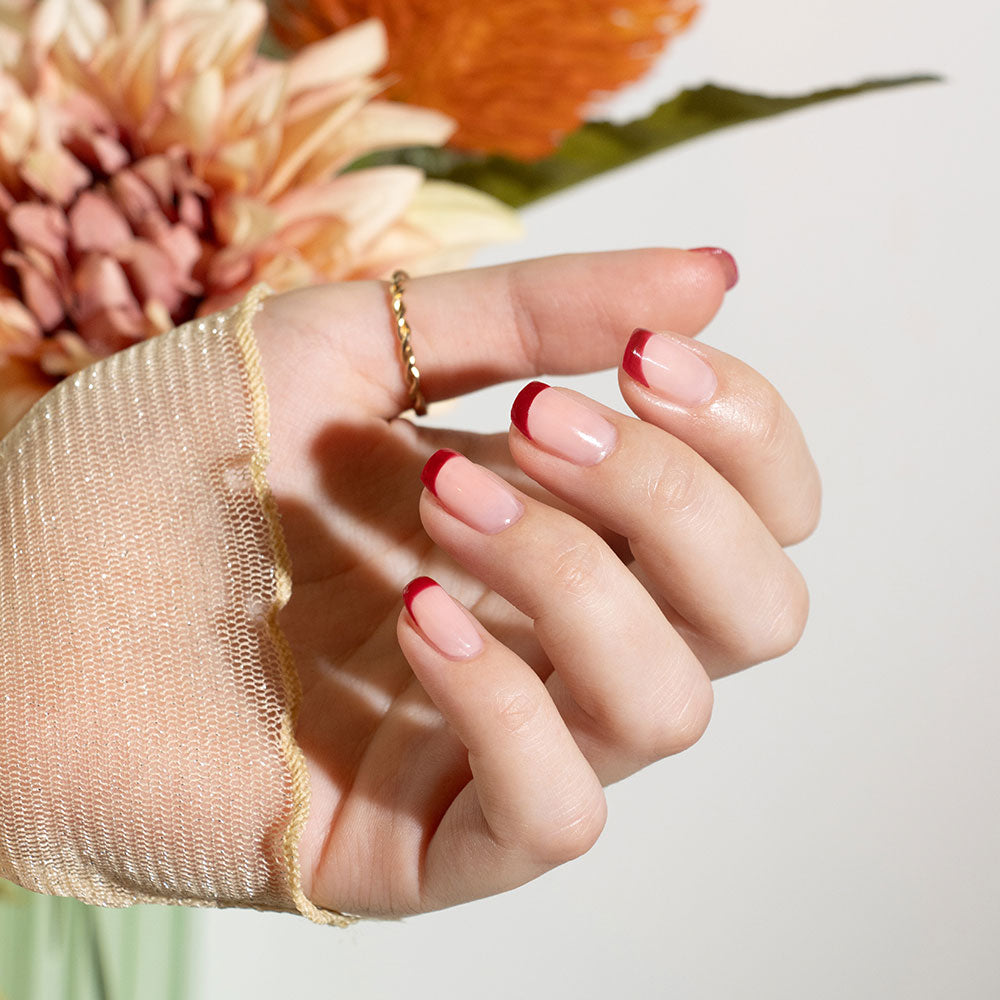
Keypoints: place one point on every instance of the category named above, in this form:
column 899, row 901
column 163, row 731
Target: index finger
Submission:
column 556, row 315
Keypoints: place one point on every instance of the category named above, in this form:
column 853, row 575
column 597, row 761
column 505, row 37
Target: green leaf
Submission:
column 600, row 146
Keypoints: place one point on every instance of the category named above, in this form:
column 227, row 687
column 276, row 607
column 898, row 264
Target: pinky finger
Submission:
column 534, row 801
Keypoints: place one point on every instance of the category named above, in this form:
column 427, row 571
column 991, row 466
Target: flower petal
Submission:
column 98, row 224
column 193, row 110
column 251, row 102
column 11, row 45
column 52, row 171
column 390, row 125
column 366, row 201
column 18, row 120
column 82, row 24
column 39, row 285
column 133, row 69
column 228, row 269
column 241, row 167
column 153, row 276
column 244, row 222
column 112, row 329
column 305, row 138
column 39, row 225
column 377, row 125
column 198, row 38
column 100, row 284
column 136, row 198
column 20, row 333
column 444, row 224
column 356, row 51
column 65, row 352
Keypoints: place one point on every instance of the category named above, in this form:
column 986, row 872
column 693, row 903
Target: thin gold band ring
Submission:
column 403, row 332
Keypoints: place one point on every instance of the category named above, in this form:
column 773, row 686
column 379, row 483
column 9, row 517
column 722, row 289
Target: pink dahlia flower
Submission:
column 153, row 166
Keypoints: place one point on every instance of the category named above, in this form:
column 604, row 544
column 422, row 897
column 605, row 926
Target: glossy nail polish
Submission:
column 726, row 261
column 667, row 364
column 471, row 493
column 561, row 425
column 443, row 622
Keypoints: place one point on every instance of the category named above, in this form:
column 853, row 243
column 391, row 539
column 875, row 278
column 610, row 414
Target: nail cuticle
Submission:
column 441, row 620
column 562, row 426
column 433, row 467
column 471, row 493
column 669, row 368
column 413, row 588
column 522, row 404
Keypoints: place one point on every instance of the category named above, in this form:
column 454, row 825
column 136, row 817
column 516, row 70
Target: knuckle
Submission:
column 767, row 423
column 522, row 316
column 676, row 726
column 786, row 620
column 691, row 718
column 807, row 519
column 517, row 710
column 676, row 488
column 577, row 567
column 569, row 835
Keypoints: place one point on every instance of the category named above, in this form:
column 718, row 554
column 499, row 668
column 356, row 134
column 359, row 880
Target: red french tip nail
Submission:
column 430, row 471
column 632, row 359
column 413, row 588
column 726, row 261
column 521, row 405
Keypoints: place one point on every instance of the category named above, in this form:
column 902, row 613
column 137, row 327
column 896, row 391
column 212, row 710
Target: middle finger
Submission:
column 701, row 545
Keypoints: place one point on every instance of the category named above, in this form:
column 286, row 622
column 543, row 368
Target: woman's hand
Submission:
column 611, row 564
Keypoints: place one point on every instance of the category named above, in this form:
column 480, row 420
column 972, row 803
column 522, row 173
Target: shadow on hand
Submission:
column 353, row 547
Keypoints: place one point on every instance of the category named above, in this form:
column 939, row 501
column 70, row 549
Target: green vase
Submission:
column 52, row 948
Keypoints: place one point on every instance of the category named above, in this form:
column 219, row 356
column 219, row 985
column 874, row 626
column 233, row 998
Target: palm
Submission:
column 380, row 755
column 390, row 780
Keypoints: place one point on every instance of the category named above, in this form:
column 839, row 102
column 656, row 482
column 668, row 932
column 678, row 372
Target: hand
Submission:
column 452, row 757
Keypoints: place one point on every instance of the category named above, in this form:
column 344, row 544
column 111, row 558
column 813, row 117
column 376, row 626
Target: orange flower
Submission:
column 153, row 167
column 517, row 75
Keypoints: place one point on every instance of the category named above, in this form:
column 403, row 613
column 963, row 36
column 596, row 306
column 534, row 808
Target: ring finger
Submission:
column 630, row 689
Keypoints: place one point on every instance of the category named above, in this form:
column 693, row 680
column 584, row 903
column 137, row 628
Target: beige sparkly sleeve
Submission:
column 147, row 695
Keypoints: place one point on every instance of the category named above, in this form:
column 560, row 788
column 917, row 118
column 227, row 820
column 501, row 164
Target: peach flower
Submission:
column 153, row 166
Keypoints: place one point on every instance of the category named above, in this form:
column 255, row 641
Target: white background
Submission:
column 836, row 831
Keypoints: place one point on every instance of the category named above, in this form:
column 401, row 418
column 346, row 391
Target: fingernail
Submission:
column 561, row 425
column 726, row 261
column 470, row 492
column 444, row 624
column 669, row 367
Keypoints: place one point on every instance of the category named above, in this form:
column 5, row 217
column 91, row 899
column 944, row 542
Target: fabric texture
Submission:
column 147, row 695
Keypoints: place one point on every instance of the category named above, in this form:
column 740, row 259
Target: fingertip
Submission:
column 680, row 290
column 725, row 261
column 433, row 466
column 521, row 405
column 442, row 622
column 413, row 588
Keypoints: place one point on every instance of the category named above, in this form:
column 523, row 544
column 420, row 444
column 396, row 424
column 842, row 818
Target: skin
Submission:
column 604, row 612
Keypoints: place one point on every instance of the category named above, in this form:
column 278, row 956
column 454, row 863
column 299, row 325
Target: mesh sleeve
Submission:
column 147, row 695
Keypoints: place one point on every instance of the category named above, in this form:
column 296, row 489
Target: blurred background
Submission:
column 836, row 831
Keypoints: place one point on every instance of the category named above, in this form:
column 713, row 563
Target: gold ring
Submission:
column 403, row 333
